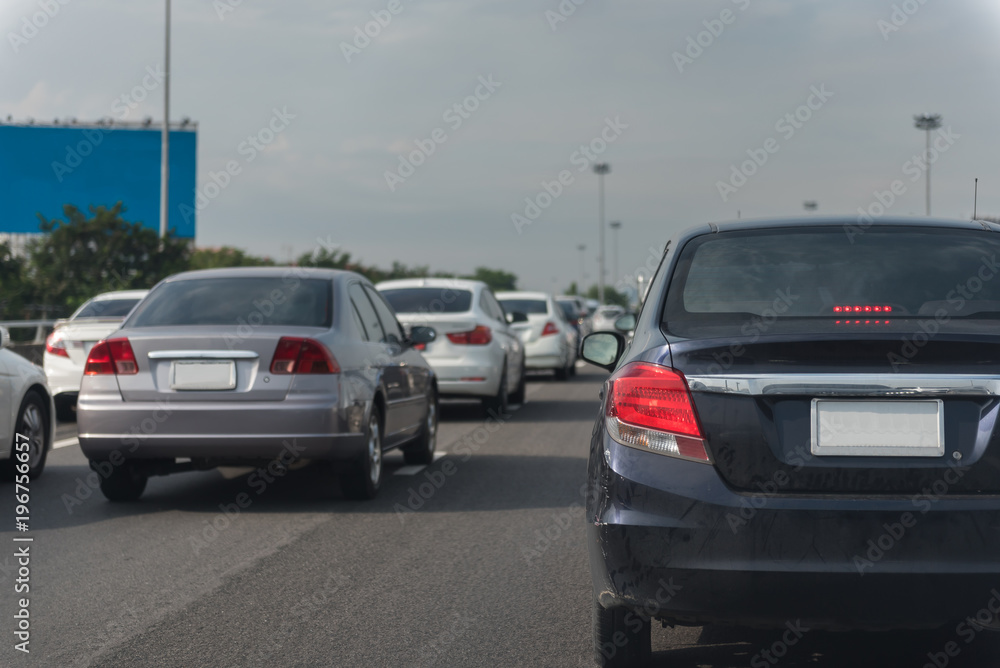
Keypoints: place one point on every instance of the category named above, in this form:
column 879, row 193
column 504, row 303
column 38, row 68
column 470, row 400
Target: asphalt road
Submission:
column 476, row 560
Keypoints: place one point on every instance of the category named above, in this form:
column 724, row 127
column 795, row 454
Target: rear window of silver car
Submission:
column 526, row 306
column 253, row 300
column 820, row 278
column 428, row 300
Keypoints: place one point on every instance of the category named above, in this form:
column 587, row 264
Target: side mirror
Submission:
column 4, row 338
column 603, row 349
column 626, row 323
column 516, row 317
column 422, row 335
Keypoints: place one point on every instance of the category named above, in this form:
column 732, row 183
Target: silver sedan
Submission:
column 244, row 365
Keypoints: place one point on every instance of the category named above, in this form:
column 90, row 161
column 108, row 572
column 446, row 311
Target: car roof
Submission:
column 234, row 272
column 456, row 283
column 120, row 294
column 524, row 295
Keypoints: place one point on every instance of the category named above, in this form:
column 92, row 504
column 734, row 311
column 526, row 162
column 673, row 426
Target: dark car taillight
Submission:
column 650, row 407
column 550, row 328
column 294, row 354
column 111, row 356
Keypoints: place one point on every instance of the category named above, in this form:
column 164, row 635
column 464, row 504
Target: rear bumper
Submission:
column 62, row 375
column 668, row 538
column 548, row 352
column 451, row 371
column 229, row 431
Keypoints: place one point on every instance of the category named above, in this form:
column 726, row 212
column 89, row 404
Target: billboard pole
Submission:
column 165, row 134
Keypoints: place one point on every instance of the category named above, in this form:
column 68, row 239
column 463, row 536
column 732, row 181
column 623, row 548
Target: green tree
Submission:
column 80, row 257
column 611, row 296
column 15, row 290
column 226, row 256
column 572, row 289
column 497, row 279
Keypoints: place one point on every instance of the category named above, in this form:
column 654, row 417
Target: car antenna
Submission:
column 975, row 198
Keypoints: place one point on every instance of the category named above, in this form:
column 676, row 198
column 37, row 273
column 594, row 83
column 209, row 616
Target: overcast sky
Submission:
column 681, row 116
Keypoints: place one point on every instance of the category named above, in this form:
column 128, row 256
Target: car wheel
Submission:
column 64, row 409
column 497, row 405
column 363, row 480
column 621, row 637
column 32, row 421
column 563, row 373
column 125, row 482
column 422, row 450
column 518, row 396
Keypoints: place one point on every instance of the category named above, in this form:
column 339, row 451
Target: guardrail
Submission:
column 40, row 327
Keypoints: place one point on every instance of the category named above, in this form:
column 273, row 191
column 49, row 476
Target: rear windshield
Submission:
column 568, row 309
column 253, row 300
column 823, row 278
column 526, row 306
column 428, row 300
column 106, row 308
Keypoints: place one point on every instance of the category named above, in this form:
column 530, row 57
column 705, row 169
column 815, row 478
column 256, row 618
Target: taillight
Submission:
column 111, row 356
column 550, row 328
column 295, row 354
column 479, row 336
column 54, row 344
column 649, row 407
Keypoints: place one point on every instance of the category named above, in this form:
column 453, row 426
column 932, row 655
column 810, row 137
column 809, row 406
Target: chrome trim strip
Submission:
column 848, row 385
column 203, row 355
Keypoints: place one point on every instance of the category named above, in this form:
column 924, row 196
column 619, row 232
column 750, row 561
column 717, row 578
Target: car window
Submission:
column 820, row 276
column 428, row 300
column 257, row 300
column 568, row 309
column 106, row 308
column 393, row 332
column 526, row 306
column 369, row 319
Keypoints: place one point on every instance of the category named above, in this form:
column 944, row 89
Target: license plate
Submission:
column 207, row 375
column 878, row 428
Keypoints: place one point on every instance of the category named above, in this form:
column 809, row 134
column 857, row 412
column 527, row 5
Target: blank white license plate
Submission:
column 214, row 375
column 878, row 428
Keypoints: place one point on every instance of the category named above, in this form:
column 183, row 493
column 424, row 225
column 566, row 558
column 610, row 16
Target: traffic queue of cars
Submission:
column 253, row 365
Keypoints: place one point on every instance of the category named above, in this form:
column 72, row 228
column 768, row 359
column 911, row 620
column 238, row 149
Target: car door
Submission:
column 8, row 403
column 405, row 382
column 375, row 357
column 510, row 341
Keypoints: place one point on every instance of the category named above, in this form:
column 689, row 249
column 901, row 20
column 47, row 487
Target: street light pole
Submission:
column 583, row 271
column 601, row 169
column 165, row 135
column 928, row 122
column 615, row 225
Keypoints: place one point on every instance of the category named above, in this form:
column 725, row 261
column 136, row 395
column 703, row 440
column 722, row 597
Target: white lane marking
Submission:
column 65, row 443
column 414, row 470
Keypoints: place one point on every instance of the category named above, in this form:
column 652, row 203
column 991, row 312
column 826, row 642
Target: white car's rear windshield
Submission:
column 253, row 300
column 526, row 306
column 832, row 278
column 428, row 300
column 106, row 308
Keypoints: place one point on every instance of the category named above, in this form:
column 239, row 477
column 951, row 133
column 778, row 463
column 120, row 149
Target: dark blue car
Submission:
column 802, row 434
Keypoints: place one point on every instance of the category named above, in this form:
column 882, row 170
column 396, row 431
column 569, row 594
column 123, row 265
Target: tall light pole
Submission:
column 165, row 135
column 615, row 225
column 583, row 270
column 928, row 122
column 601, row 169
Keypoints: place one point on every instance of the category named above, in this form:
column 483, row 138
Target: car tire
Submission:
column 621, row 637
column 518, row 396
column 564, row 372
column 497, row 405
column 362, row 480
column 64, row 409
column 33, row 422
column 125, row 482
column 422, row 450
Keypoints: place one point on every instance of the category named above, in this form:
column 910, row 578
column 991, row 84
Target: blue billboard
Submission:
column 43, row 168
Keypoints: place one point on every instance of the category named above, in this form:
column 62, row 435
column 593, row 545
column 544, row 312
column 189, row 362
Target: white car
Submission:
column 550, row 342
column 476, row 353
column 67, row 347
column 27, row 415
column 605, row 317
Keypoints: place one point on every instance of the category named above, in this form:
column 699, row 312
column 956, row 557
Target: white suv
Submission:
column 476, row 353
